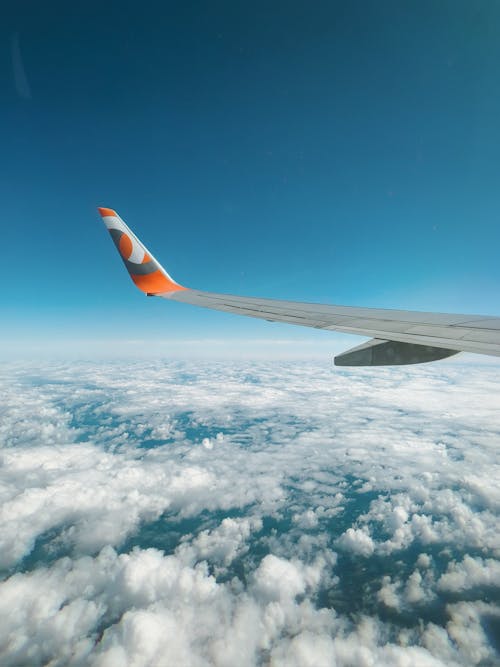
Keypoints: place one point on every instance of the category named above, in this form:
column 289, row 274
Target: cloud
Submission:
column 357, row 541
column 221, row 545
column 466, row 629
column 278, row 579
column 470, row 573
column 251, row 513
column 158, row 610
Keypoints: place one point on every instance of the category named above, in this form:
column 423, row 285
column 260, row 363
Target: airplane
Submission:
column 397, row 336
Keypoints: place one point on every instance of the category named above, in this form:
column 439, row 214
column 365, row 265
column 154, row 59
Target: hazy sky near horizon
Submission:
column 334, row 152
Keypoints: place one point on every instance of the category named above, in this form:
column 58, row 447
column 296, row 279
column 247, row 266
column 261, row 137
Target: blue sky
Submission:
column 335, row 152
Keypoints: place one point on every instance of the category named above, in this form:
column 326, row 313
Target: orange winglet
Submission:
column 148, row 275
column 156, row 283
column 107, row 211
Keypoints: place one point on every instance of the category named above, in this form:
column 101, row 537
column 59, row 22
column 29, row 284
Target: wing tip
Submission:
column 106, row 212
column 146, row 272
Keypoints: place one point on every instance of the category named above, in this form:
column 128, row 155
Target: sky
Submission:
column 340, row 153
column 335, row 152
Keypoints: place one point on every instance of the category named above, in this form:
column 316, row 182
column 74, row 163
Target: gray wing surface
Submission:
column 397, row 336
column 438, row 334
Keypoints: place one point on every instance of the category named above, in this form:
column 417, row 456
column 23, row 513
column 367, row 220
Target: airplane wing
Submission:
column 397, row 336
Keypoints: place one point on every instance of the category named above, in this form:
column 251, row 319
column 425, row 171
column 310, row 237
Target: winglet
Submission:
column 146, row 272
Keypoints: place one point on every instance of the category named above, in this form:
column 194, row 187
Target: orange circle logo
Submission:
column 125, row 246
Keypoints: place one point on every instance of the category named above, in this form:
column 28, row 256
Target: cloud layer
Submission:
column 224, row 513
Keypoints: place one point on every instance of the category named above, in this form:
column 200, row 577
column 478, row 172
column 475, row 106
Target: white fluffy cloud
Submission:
column 357, row 541
column 304, row 516
column 159, row 611
column 470, row 573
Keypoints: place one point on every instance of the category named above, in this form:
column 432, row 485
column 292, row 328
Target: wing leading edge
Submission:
column 398, row 336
